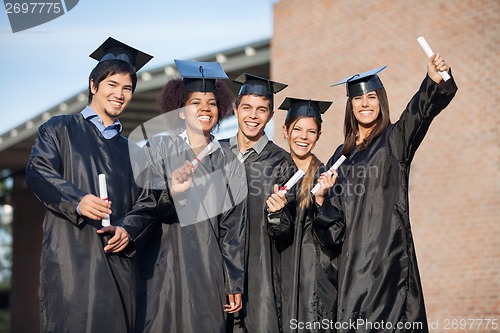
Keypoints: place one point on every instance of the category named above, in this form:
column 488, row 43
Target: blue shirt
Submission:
column 109, row 131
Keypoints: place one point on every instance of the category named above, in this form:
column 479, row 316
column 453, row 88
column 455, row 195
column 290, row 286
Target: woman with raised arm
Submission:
column 379, row 283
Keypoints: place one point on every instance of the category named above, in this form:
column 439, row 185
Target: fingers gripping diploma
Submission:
column 182, row 178
column 94, row 207
column 436, row 66
column 118, row 242
column 235, row 303
column 276, row 201
column 326, row 182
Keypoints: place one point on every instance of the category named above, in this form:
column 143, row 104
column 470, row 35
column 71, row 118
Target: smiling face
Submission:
column 201, row 113
column 366, row 109
column 253, row 113
column 302, row 136
column 111, row 97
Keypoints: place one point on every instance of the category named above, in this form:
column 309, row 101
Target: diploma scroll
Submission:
column 429, row 53
column 292, row 181
column 207, row 150
column 334, row 167
column 284, row 189
column 103, row 194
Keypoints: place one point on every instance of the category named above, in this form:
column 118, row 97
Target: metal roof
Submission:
column 15, row 145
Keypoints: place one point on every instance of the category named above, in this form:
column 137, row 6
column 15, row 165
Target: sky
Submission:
column 43, row 66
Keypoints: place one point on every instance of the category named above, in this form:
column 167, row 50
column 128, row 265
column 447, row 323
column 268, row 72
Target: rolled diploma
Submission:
column 429, row 53
column 103, row 194
column 202, row 154
column 334, row 167
column 292, row 181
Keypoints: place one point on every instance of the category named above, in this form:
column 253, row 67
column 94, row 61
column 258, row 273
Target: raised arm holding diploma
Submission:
column 427, row 49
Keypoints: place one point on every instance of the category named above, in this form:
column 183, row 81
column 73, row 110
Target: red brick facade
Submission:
column 455, row 178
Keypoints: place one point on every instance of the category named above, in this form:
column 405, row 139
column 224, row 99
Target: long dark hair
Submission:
column 175, row 95
column 304, row 197
column 108, row 68
column 351, row 131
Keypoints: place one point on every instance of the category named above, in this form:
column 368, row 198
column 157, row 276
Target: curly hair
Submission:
column 175, row 95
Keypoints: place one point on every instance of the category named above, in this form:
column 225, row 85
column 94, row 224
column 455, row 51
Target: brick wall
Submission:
column 455, row 178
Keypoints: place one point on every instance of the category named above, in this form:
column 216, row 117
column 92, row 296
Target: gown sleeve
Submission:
column 154, row 200
column 232, row 228
column 409, row 131
column 328, row 223
column 44, row 174
column 283, row 228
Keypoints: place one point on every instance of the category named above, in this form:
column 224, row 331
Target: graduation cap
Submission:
column 363, row 83
column 297, row 107
column 252, row 84
column 113, row 49
column 200, row 76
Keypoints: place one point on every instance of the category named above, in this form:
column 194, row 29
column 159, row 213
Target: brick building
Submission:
column 455, row 178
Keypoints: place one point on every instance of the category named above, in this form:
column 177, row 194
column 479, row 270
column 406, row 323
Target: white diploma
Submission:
column 103, row 194
column 334, row 167
column 429, row 53
column 207, row 150
column 292, row 181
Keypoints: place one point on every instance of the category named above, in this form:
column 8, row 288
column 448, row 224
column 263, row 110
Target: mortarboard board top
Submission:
column 362, row 83
column 298, row 107
column 200, row 76
column 253, row 84
column 113, row 49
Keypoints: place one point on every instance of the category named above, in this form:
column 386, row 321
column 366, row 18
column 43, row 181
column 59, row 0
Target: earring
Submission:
column 181, row 115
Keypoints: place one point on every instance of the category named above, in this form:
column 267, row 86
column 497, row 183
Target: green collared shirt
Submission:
column 258, row 147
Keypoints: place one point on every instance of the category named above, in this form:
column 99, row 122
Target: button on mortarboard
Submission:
column 113, row 49
column 297, row 107
column 200, row 76
column 252, row 84
column 362, row 83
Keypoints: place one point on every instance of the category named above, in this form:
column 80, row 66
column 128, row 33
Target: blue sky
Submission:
column 45, row 65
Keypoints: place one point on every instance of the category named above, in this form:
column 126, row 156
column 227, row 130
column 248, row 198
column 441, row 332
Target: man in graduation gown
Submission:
column 266, row 164
column 87, row 283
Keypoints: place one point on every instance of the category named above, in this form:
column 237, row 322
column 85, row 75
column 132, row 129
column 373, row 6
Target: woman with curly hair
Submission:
column 192, row 258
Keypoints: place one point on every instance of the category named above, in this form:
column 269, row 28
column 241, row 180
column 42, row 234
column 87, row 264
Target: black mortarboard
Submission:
column 252, row 84
column 363, row 83
column 113, row 49
column 297, row 107
column 200, row 76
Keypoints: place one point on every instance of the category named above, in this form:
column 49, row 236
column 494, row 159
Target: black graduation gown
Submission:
column 194, row 255
column 379, row 281
column 82, row 289
column 262, row 304
column 308, row 269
